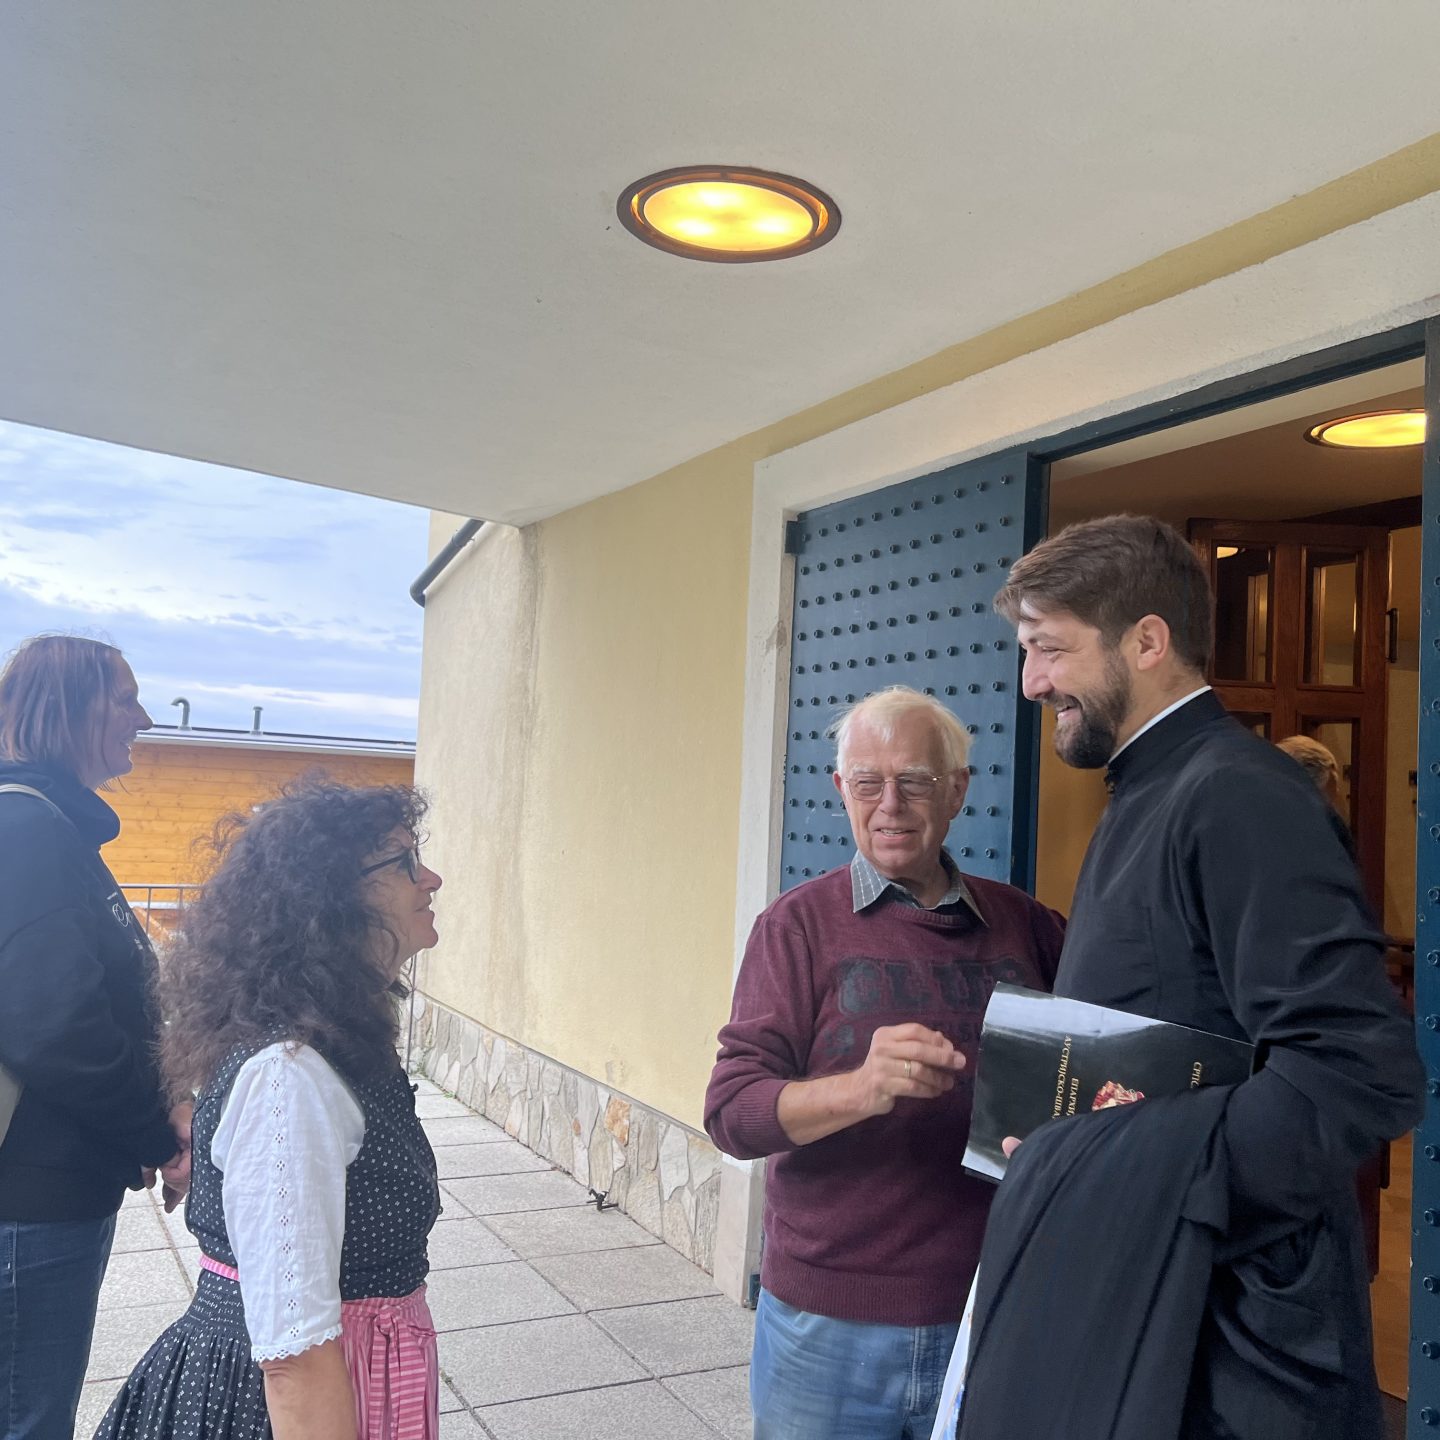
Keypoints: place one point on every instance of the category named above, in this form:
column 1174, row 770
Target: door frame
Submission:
column 1237, row 392
column 1286, row 324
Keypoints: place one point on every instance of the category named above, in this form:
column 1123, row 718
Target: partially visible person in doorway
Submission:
column 77, row 1022
column 314, row 1188
column 1318, row 762
column 846, row 1062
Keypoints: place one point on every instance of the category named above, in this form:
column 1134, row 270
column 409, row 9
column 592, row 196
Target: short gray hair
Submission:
column 881, row 710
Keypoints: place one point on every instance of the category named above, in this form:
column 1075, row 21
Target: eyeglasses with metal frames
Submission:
column 911, row 787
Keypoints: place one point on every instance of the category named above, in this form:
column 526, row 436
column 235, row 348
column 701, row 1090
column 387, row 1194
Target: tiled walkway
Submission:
column 554, row 1320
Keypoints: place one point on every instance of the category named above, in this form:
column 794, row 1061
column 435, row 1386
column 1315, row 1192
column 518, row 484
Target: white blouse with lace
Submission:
column 289, row 1128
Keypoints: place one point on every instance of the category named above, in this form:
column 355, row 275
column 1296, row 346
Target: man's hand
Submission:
column 904, row 1060
column 909, row 1061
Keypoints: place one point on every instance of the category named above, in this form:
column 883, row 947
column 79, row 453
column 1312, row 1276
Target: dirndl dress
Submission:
column 199, row 1381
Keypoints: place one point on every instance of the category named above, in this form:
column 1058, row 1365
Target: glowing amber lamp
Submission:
column 1376, row 430
column 726, row 213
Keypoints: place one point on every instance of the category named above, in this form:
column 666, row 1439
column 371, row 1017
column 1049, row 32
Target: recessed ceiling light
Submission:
column 728, row 213
column 1373, row 430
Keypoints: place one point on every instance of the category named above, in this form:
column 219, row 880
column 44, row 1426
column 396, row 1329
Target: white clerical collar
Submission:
column 1154, row 720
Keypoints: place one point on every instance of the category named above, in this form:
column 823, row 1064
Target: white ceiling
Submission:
column 374, row 246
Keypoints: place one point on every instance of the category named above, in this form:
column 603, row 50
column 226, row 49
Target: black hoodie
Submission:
column 77, row 1027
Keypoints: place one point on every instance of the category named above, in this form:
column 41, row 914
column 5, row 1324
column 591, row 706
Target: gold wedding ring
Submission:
column 907, row 1069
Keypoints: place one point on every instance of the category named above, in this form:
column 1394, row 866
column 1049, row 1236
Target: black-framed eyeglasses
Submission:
column 409, row 859
column 911, row 787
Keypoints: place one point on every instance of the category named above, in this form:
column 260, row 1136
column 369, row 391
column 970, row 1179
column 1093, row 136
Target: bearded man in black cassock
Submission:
column 1191, row 1266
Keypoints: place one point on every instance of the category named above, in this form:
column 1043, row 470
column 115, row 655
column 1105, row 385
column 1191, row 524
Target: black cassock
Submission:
column 1194, row 1267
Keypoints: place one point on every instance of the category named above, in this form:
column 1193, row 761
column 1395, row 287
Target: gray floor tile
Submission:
column 123, row 1336
column 683, row 1335
column 138, row 1227
column 424, row 1085
column 450, row 1206
column 568, row 1232
column 721, row 1397
column 460, row 1426
column 510, row 1194
column 174, row 1223
column 638, row 1276
column 144, row 1277
column 190, row 1263
column 492, row 1295
column 507, row 1157
column 466, row 1242
column 95, row 1400
column 449, row 1400
column 536, row 1357
column 439, row 1107
column 463, row 1130
column 643, row 1411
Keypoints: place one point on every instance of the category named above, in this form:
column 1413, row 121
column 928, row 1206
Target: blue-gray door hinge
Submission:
column 794, row 537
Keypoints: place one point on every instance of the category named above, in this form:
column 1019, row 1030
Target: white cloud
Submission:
column 242, row 581
column 346, row 702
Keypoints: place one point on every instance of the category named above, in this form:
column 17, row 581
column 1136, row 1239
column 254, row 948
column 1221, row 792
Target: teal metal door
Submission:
column 894, row 588
column 1424, row 1407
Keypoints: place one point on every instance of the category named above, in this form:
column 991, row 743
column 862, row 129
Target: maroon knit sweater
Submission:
column 877, row 1222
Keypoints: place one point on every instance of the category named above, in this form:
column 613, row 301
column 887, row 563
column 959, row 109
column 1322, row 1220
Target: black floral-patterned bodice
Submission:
column 392, row 1195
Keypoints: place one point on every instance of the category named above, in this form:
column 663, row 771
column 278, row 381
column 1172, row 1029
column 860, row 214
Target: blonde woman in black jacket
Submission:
column 77, row 1028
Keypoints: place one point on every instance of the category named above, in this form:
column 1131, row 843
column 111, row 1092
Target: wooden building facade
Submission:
column 185, row 780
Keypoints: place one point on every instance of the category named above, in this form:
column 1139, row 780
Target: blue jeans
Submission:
column 812, row 1378
column 50, row 1274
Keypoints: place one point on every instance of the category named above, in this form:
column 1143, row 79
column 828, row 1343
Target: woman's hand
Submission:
column 310, row 1396
column 175, row 1174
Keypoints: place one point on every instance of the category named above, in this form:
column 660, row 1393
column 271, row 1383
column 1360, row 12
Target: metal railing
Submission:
column 158, row 906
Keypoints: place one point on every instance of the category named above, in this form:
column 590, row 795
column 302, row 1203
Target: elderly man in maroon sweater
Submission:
column 846, row 1062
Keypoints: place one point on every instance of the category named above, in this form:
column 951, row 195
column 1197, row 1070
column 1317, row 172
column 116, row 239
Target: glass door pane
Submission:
column 1332, row 648
column 1341, row 739
column 1243, row 589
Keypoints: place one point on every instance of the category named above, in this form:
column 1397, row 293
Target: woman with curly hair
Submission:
column 313, row 1187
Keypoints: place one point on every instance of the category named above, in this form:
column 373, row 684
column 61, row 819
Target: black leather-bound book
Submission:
column 1043, row 1057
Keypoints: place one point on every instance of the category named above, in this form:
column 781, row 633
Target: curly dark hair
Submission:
column 281, row 940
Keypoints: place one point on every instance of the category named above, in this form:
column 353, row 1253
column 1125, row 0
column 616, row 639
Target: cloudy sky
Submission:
column 229, row 588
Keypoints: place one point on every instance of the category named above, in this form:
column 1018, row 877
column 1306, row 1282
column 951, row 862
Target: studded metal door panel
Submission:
column 895, row 588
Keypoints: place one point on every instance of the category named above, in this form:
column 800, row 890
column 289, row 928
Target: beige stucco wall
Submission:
column 580, row 732
column 581, row 711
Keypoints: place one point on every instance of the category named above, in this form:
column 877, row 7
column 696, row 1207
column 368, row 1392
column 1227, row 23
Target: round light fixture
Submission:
column 1373, row 430
column 728, row 213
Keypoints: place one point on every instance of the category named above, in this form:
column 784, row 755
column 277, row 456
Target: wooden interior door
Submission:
column 1301, row 641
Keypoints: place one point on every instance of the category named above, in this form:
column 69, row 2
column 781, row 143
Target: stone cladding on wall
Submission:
column 659, row 1172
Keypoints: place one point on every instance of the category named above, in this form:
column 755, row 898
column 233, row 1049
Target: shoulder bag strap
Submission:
column 9, row 1085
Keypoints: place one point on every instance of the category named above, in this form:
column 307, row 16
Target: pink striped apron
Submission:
column 389, row 1347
